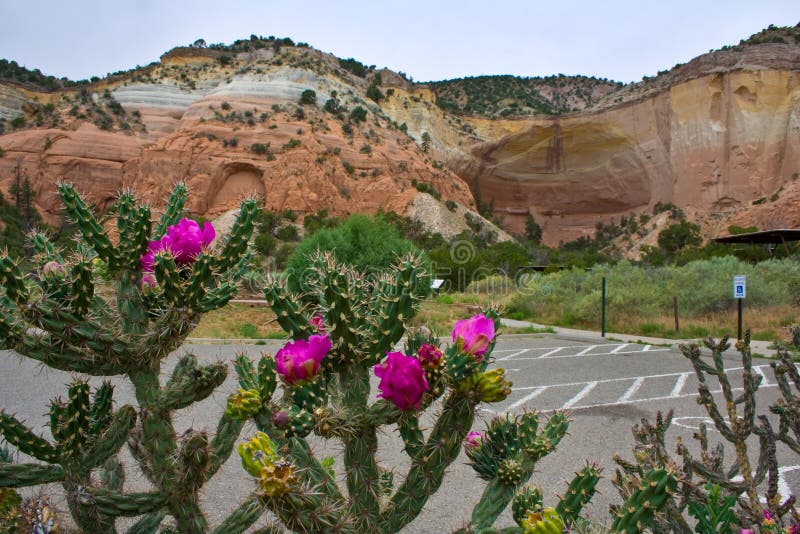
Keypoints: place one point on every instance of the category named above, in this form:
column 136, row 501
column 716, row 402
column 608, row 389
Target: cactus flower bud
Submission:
column 299, row 360
column 281, row 419
column 53, row 269
column 544, row 522
column 492, row 386
column 429, row 356
column 473, row 440
column 318, row 322
column 148, row 282
column 257, row 453
column 402, row 380
column 474, row 335
column 277, row 478
column 184, row 240
column 243, row 404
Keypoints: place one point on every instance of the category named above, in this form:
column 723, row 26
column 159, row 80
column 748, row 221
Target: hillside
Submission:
column 719, row 136
column 514, row 96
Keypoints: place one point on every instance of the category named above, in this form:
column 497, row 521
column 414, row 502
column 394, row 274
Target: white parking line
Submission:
column 676, row 390
column 651, row 399
column 583, row 354
column 764, row 379
column 646, row 348
column 523, row 351
column 548, row 353
column 581, row 394
column 620, row 348
column 530, row 396
column 535, row 391
column 587, row 349
column 632, row 390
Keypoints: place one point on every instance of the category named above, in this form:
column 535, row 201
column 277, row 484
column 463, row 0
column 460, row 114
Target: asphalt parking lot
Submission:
column 605, row 386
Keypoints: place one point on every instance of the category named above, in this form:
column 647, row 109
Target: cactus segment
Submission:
column 579, row 492
column 17, row 434
column 82, row 290
column 91, row 230
column 11, row 279
column 529, row 499
column 24, row 475
column 639, row 510
column 173, row 210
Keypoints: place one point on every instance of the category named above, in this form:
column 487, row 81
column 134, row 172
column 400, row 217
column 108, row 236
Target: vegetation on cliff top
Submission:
column 501, row 96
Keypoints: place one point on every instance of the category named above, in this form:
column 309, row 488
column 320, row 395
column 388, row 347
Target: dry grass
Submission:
column 440, row 313
column 765, row 323
column 238, row 320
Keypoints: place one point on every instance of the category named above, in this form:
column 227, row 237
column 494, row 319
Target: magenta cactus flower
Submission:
column 402, row 380
column 184, row 240
column 429, row 356
column 299, row 360
column 473, row 440
column 474, row 334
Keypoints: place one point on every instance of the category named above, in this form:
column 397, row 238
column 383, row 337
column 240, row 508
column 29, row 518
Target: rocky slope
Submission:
column 227, row 131
column 718, row 136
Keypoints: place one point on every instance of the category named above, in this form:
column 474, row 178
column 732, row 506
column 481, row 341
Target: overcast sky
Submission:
column 428, row 40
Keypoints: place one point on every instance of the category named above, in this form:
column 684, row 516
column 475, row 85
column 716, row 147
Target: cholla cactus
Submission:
column 345, row 329
column 164, row 284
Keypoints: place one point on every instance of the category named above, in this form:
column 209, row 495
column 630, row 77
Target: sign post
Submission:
column 603, row 323
column 739, row 292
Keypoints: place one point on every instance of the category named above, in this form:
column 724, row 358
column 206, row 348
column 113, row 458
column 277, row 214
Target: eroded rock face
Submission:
column 231, row 137
column 712, row 136
column 715, row 143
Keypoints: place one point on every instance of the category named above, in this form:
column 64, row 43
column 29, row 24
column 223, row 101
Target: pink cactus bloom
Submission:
column 402, row 380
column 148, row 281
column 476, row 333
column 184, row 240
column 473, row 440
column 317, row 322
column 53, row 269
column 429, row 356
column 299, row 360
column 746, row 531
column 792, row 529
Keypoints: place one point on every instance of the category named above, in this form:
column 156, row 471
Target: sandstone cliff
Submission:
column 715, row 136
column 719, row 137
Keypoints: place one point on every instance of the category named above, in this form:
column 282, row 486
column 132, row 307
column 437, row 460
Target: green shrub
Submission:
column 248, row 331
column 287, row 233
column 354, row 66
column 368, row 243
column 373, row 93
column 308, row 97
column 260, row 148
column 359, row 114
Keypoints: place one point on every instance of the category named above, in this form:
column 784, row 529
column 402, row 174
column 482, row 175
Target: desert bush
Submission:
column 368, row 244
column 308, row 97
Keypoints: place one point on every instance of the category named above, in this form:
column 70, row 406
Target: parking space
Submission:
column 605, row 386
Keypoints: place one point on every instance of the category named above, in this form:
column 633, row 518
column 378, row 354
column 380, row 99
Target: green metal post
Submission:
column 603, row 326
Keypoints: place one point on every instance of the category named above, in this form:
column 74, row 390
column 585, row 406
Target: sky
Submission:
column 428, row 40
